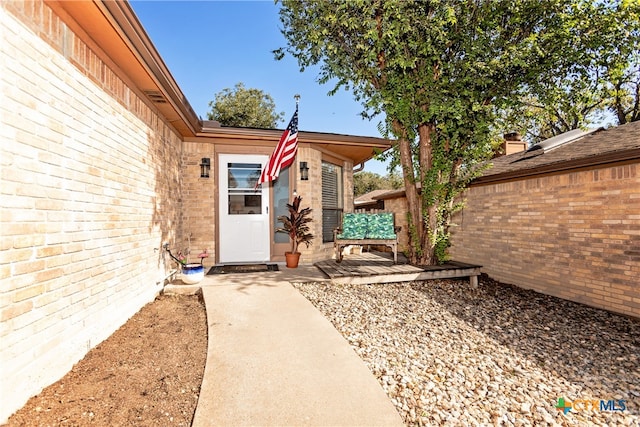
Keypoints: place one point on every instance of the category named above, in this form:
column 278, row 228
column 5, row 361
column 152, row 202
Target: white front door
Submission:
column 244, row 211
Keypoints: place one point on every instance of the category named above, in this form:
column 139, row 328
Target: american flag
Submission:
column 285, row 152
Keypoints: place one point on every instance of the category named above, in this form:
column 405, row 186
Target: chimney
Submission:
column 513, row 143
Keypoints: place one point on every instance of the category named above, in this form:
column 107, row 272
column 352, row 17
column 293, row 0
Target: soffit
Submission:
column 358, row 149
column 116, row 34
column 121, row 41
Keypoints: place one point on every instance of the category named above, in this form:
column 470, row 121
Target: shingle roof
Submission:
column 370, row 196
column 600, row 147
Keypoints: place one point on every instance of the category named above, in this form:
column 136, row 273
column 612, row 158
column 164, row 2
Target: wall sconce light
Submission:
column 205, row 167
column 304, row 171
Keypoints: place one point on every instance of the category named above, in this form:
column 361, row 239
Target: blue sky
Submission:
column 212, row 45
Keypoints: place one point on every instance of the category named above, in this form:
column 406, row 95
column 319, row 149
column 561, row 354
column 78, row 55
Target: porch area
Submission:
column 358, row 269
column 378, row 267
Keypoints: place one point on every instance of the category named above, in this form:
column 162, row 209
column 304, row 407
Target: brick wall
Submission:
column 311, row 192
column 90, row 188
column 199, row 196
column 199, row 202
column 399, row 207
column 575, row 235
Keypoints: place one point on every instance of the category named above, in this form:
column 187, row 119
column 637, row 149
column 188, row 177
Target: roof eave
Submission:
column 113, row 31
column 150, row 58
column 358, row 149
column 303, row 136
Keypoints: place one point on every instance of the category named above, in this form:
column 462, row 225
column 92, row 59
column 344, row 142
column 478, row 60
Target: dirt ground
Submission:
column 148, row 373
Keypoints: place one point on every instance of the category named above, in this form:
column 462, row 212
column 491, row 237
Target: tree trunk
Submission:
column 421, row 250
column 425, row 130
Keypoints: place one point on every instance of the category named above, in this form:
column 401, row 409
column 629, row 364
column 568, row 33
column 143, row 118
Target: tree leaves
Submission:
column 242, row 107
column 596, row 73
column 442, row 70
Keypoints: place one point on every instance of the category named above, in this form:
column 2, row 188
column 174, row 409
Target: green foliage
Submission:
column 296, row 225
column 365, row 182
column 440, row 71
column 612, row 55
column 242, row 107
column 598, row 72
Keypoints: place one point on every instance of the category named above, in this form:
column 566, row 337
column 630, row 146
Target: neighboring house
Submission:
column 102, row 163
column 369, row 201
column 562, row 218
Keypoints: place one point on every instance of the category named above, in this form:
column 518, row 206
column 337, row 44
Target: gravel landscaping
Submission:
column 447, row 354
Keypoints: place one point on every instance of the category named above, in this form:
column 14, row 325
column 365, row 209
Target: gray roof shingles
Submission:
column 619, row 140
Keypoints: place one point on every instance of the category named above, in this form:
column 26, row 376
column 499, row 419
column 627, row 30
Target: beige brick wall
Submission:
column 399, row 207
column 575, row 235
column 199, row 202
column 90, row 188
column 311, row 191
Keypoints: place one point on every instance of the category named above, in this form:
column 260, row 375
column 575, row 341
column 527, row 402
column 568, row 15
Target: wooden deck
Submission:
column 378, row 267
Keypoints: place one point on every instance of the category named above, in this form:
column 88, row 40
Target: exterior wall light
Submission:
column 304, row 171
column 205, row 167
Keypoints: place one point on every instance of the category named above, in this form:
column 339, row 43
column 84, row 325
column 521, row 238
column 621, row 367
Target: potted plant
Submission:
column 191, row 273
column 296, row 225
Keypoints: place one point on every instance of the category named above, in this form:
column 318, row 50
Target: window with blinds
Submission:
column 332, row 196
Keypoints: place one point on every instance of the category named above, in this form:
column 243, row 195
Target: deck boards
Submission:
column 378, row 267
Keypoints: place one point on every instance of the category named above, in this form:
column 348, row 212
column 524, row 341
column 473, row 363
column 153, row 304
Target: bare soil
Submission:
column 148, row 373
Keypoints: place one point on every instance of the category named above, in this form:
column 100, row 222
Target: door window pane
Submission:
column 244, row 198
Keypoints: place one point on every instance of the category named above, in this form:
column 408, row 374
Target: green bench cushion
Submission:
column 367, row 226
column 354, row 226
column 380, row 226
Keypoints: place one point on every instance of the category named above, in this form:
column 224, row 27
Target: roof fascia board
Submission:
column 328, row 138
column 305, row 137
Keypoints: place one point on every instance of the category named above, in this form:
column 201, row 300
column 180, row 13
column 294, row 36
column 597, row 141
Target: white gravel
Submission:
column 447, row 354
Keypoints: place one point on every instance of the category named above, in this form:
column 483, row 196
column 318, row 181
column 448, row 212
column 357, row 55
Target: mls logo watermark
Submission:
column 602, row 405
column 610, row 405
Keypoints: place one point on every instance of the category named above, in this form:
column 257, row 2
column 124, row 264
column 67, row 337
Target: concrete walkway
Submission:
column 274, row 360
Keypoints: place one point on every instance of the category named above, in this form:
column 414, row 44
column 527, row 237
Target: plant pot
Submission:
column 192, row 273
column 292, row 259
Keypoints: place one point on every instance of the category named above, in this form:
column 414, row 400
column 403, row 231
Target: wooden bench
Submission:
column 366, row 229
